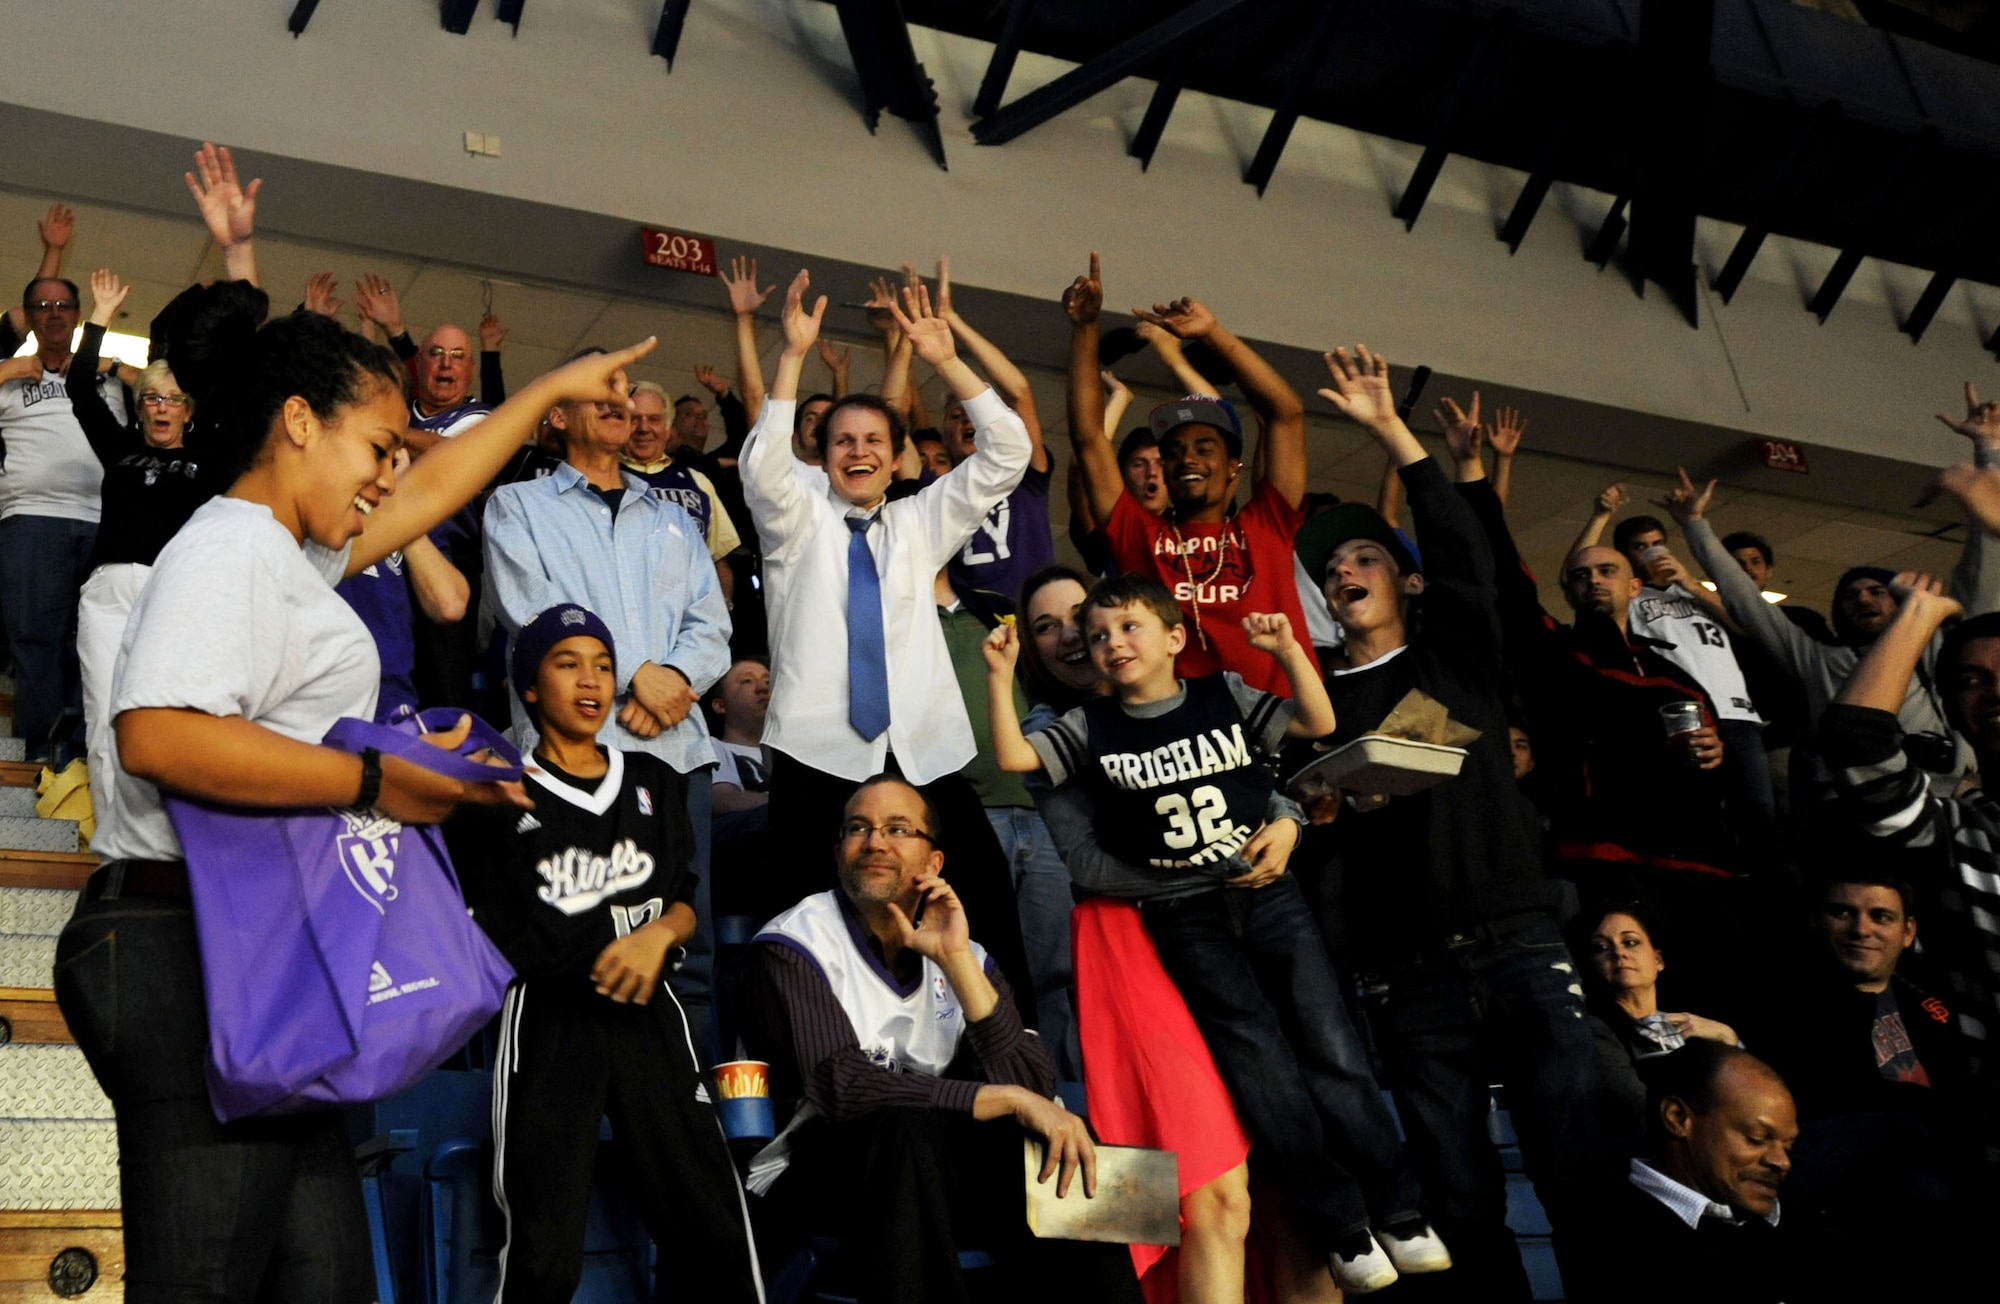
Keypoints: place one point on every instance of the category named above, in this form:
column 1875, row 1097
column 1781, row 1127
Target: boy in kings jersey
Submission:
column 1178, row 770
column 589, row 896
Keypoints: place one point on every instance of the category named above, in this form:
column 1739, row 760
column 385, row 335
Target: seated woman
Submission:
column 1149, row 1074
column 1621, row 973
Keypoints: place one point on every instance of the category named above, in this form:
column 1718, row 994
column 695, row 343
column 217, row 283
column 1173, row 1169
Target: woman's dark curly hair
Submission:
column 240, row 369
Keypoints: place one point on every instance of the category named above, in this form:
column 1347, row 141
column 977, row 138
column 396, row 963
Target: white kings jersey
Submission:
column 917, row 1032
column 1697, row 644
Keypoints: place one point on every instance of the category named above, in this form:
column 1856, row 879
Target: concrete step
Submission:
column 18, row 802
column 53, row 1255
column 34, row 911
column 58, row 1164
column 65, row 870
column 33, row 833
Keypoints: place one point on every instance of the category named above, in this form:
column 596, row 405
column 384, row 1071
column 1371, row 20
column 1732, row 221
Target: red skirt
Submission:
column 1151, row 1079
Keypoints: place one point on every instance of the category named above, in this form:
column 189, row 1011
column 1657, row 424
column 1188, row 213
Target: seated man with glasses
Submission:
column 899, row 1038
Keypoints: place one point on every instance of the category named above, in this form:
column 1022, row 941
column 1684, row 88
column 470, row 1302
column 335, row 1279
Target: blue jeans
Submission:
column 259, row 1209
column 694, row 981
column 1250, row 964
column 42, row 569
column 1503, row 1007
column 1041, row 890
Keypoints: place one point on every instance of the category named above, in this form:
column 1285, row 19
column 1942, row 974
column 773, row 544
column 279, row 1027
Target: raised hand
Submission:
column 1688, row 503
column 741, row 281
column 492, row 333
column 1269, row 631
column 1982, row 420
column 376, row 300
column 944, row 308
column 881, row 299
column 1506, row 431
column 1922, row 598
column 228, row 207
column 712, row 380
column 1002, row 649
column 835, row 358
column 1977, row 488
column 1084, row 299
column 1184, row 318
column 320, row 296
column 1461, row 427
column 1610, row 499
column 1361, row 387
column 598, row 377
column 107, row 295
column 1114, row 387
column 801, row 327
column 56, row 226
column 929, row 334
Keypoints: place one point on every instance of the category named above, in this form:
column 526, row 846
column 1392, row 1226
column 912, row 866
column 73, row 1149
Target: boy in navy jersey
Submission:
column 1180, row 774
column 589, row 895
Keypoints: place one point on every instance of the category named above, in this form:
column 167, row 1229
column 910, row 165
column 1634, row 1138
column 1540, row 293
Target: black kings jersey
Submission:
column 595, row 859
column 1178, row 784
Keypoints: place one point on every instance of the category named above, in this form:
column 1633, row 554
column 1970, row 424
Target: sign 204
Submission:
column 682, row 253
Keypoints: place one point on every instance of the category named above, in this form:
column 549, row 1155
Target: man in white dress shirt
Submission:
column 861, row 680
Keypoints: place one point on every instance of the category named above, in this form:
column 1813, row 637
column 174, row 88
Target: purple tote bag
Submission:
column 338, row 960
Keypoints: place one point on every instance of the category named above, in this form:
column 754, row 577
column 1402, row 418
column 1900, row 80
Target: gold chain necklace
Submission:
column 1194, row 585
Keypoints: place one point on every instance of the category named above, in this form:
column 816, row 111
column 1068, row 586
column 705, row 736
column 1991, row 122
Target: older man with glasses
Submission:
column 49, row 505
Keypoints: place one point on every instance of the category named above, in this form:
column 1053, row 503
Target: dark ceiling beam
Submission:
column 1529, row 201
column 302, row 13
column 892, row 79
column 1775, row 194
column 1605, row 242
column 1881, row 213
column 1667, row 106
column 510, row 13
column 1927, row 305
column 1161, row 107
column 1001, row 66
column 1279, row 133
column 1410, row 205
column 1131, row 56
column 456, row 15
column 667, row 38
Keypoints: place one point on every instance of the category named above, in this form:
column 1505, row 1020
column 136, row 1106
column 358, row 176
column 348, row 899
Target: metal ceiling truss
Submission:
column 456, row 15
column 510, row 13
column 1279, row 133
column 302, row 13
column 892, row 79
column 1410, row 205
column 667, row 37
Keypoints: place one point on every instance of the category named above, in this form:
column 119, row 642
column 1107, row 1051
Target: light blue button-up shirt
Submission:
column 646, row 573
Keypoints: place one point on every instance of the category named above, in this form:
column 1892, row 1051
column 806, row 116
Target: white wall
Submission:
column 756, row 137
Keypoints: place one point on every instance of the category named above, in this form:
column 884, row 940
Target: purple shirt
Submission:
column 381, row 597
column 1012, row 543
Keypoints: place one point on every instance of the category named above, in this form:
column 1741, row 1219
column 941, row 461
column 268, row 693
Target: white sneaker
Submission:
column 1423, row 1252
column 1365, row 1273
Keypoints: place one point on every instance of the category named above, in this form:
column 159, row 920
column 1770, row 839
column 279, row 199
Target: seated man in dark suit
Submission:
column 900, row 1039
column 1696, row 1217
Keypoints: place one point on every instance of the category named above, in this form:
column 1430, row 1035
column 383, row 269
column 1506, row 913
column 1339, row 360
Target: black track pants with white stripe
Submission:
column 569, row 1057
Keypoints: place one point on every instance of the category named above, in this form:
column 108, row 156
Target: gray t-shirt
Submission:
column 237, row 619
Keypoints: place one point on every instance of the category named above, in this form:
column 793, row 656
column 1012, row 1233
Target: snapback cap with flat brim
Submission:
column 1200, row 410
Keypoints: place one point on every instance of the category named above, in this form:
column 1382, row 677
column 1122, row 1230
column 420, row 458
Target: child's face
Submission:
column 574, row 688
column 1131, row 644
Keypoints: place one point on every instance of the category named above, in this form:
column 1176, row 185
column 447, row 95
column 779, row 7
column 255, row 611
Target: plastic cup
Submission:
column 1682, row 717
column 741, row 1078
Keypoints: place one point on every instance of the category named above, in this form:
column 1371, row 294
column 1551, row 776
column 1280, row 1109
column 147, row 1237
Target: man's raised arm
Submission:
column 1096, row 461
column 1277, row 404
column 778, row 503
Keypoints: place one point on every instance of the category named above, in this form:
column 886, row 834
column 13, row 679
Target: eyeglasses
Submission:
column 50, row 305
column 436, row 353
column 164, row 400
column 861, row 830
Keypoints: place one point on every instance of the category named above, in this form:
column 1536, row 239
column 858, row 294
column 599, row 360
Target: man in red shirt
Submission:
column 1221, row 563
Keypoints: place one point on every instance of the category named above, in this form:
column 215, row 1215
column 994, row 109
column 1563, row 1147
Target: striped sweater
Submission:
column 1948, row 848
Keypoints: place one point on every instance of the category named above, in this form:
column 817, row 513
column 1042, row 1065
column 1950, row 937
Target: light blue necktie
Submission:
column 867, row 657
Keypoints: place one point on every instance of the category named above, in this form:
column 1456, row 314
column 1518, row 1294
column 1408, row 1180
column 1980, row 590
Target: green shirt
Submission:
column 963, row 634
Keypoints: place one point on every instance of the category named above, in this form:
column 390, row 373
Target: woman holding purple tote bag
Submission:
column 238, row 659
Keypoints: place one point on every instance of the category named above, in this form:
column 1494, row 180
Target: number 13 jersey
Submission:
column 1180, row 783
column 1695, row 643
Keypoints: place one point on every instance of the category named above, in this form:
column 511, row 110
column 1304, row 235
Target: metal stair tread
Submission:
column 32, row 833
column 13, row 749
column 41, row 1083
column 58, row 1164
column 18, row 802
column 27, row 961
column 34, row 911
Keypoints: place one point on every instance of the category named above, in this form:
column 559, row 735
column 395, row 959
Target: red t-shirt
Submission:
column 1220, row 572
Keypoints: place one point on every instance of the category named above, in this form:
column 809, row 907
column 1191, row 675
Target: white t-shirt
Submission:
column 238, row 620
column 50, row 469
column 1700, row 647
column 732, row 759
